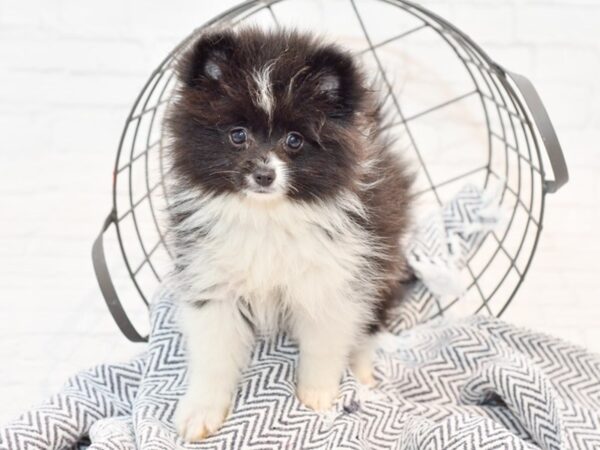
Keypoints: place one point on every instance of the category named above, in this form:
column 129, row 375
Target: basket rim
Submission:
column 410, row 7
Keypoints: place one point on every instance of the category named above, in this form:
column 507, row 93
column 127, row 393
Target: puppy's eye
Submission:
column 294, row 141
column 238, row 136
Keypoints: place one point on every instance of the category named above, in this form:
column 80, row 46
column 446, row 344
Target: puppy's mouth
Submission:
column 255, row 190
column 261, row 190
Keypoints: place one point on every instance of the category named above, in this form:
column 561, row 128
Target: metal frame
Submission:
column 508, row 97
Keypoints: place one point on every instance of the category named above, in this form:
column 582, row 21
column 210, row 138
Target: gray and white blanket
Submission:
column 475, row 383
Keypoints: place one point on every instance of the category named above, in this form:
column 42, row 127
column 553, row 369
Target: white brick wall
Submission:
column 69, row 71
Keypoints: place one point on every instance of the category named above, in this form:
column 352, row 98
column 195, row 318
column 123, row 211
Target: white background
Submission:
column 69, row 72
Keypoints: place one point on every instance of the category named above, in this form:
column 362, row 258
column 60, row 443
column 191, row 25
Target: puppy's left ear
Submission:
column 337, row 81
column 207, row 59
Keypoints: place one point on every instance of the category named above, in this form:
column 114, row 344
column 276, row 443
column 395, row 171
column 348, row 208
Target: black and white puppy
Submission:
column 287, row 212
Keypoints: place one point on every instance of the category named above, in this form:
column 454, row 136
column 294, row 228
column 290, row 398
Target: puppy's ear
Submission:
column 207, row 59
column 337, row 81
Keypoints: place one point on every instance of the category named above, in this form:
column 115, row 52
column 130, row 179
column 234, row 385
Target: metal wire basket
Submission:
column 458, row 115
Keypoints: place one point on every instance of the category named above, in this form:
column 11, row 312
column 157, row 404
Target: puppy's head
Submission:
column 269, row 115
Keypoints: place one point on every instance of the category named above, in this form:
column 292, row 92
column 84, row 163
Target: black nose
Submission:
column 264, row 176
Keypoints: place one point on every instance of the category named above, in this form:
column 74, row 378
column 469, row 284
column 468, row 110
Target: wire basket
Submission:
column 458, row 116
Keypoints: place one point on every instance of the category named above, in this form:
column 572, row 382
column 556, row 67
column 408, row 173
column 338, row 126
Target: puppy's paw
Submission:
column 196, row 420
column 317, row 398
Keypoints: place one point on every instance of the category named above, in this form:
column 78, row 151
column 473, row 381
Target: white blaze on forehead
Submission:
column 264, row 91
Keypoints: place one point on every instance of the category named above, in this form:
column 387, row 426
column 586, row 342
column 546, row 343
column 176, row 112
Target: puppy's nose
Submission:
column 264, row 176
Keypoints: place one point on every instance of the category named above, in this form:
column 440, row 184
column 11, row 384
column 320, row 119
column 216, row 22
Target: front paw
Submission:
column 317, row 398
column 196, row 420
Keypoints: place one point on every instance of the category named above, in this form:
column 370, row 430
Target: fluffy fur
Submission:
column 269, row 235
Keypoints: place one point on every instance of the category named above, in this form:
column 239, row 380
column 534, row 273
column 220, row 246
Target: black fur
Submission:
column 320, row 92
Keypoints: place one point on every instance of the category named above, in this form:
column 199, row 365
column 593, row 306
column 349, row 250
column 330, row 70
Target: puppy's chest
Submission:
column 279, row 252
column 272, row 255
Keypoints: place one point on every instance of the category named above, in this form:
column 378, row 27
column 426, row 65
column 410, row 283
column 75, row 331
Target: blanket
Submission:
column 468, row 383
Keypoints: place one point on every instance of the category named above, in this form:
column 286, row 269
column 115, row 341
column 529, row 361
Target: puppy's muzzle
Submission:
column 264, row 176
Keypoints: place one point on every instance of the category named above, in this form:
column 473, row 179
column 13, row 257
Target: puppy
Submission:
column 288, row 206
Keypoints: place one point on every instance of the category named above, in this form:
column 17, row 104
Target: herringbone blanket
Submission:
column 475, row 383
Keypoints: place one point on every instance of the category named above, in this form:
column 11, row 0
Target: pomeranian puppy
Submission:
column 288, row 208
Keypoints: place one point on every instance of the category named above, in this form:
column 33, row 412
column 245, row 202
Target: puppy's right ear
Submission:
column 207, row 59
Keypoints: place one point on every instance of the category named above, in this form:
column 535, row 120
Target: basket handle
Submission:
column 545, row 128
column 108, row 289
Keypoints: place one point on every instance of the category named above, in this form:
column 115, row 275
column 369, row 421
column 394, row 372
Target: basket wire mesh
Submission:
column 458, row 116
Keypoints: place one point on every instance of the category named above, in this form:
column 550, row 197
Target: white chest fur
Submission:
column 278, row 256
